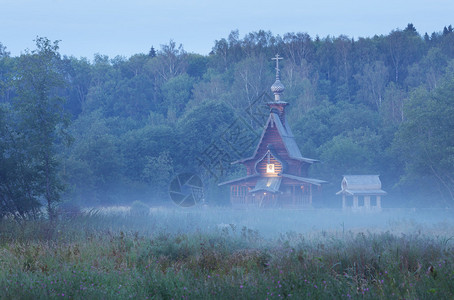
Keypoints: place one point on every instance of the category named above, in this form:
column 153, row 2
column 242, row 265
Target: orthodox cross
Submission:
column 277, row 58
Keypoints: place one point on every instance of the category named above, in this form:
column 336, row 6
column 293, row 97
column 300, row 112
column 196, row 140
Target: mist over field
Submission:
column 220, row 253
column 272, row 223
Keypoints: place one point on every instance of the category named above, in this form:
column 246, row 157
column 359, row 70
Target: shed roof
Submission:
column 361, row 185
column 362, row 180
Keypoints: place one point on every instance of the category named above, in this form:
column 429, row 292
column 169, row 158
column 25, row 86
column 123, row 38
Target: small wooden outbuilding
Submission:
column 361, row 193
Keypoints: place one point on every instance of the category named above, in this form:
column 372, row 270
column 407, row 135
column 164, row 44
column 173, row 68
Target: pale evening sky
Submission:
column 114, row 27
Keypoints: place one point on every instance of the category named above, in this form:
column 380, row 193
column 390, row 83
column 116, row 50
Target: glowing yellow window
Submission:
column 269, row 168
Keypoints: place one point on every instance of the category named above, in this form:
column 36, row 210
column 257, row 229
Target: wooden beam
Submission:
column 310, row 194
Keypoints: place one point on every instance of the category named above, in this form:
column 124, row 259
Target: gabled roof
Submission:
column 361, row 185
column 362, row 181
column 287, row 138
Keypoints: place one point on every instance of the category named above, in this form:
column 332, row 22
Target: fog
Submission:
column 275, row 223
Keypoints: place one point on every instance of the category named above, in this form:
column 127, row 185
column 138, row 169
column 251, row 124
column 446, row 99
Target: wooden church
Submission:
column 276, row 172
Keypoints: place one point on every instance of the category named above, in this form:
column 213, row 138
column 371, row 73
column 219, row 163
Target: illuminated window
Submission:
column 269, row 168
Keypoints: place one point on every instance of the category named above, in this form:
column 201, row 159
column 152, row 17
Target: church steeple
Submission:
column 278, row 106
column 277, row 88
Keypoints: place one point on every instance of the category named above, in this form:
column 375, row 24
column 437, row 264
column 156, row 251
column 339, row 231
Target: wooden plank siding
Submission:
column 293, row 194
column 272, row 137
column 261, row 167
column 294, row 167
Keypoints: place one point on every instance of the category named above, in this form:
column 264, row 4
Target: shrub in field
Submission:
column 139, row 208
column 68, row 210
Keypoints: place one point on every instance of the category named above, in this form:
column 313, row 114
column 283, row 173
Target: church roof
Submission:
column 239, row 179
column 304, row 179
column 287, row 138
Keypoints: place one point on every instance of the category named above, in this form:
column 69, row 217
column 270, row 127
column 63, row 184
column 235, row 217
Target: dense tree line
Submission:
column 377, row 105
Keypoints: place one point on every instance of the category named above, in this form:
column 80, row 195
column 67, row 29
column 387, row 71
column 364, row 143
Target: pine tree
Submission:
column 152, row 52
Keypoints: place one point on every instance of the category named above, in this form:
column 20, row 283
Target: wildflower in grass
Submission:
column 241, row 286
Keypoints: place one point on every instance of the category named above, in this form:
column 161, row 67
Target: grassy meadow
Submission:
column 205, row 253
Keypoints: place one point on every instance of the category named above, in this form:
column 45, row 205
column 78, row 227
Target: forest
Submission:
column 108, row 131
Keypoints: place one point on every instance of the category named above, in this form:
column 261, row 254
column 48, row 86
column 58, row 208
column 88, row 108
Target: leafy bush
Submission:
column 139, row 208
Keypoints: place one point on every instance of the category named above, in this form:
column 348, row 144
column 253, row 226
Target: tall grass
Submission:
column 180, row 255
